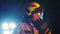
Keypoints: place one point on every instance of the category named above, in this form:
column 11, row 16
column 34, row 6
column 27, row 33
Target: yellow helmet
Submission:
column 35, row 4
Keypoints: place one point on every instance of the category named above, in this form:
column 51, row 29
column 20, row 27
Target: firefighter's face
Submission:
column 35, row 16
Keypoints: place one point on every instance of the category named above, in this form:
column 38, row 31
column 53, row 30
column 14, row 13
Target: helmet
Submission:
column 35, row 4
column 40, row 10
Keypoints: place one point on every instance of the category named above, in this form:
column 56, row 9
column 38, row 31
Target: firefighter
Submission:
column 33, row 24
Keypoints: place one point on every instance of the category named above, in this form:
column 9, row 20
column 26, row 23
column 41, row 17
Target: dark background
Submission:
column 13, row 10
column 54, row 15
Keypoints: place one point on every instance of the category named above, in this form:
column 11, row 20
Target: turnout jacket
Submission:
column 38, row 27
